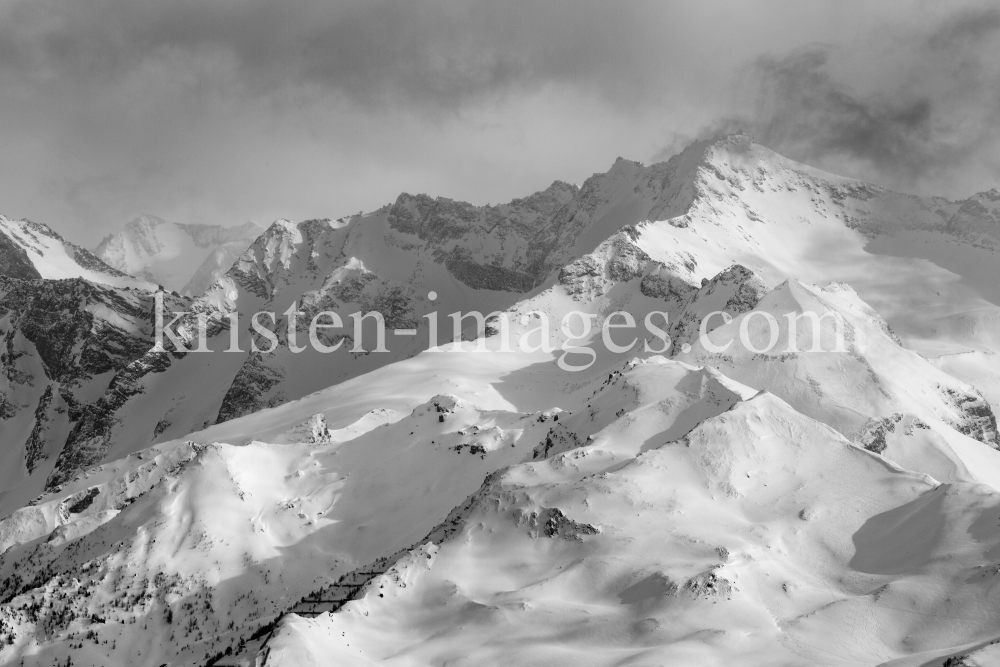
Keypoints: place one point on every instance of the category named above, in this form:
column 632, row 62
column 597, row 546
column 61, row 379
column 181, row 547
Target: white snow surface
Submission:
column 55, row 258
column 185, row 258
column 468, row 506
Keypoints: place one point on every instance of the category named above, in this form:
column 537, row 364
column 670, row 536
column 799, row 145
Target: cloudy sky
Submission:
column 223, row 111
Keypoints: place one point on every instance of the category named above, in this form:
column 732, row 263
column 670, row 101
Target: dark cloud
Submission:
column 441, row 52
column 223, row 110
column 800, row 108
column 187, row 107
column 927, row 121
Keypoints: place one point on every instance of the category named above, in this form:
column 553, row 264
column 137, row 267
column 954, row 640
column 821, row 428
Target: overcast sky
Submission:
column 222, row 111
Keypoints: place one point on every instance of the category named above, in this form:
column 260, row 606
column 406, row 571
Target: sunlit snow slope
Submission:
column 30, row 250
column 689, row 505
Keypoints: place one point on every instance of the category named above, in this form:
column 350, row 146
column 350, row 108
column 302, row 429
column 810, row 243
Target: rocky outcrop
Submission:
column 617, row 260
column 60, row 318
column 34, row 447
column 461, row 236
column 709, row 585
column 736, row 290
column 250, row 389
column 977, row 220
column 88, row 340
column 91, row 436
column 551, row 522
column 873, row 436
column 14, row 261
column 559, row 439
column 978, row 420
column 313, row 431
column 84, row 337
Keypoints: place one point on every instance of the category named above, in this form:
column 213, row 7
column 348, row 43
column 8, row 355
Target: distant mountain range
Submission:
column 696, row 505
column 183, row 258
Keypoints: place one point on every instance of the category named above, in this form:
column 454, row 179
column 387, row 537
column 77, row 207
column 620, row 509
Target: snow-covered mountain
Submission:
column 31, row 250
column 691, row 505
column 180, row 257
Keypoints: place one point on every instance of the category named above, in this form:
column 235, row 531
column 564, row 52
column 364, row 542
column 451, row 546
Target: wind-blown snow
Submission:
column 184, row 258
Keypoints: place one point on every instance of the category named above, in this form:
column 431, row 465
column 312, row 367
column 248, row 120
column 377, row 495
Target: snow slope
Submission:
column 715, row 205
column 908, row 257
column 458, row 505
column 872, row 390
column 759, row 538
column 30, row 250
column 659, row 511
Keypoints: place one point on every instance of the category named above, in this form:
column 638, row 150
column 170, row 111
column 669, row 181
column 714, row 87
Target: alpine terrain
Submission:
column 791, row 456
column 183, row 258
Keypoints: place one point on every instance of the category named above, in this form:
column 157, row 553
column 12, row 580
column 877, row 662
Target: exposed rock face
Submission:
column 663, row 283
column 287, row 252
column 72, row 341
column 14, row 261
column 305, row 263
column 616, row 260
column 558, row 440
column 709, row 585
column 620, row 259
column 34, row 447
column 977, row 221
column 516, row 247
column 251, row 385
column 551, row 522
column 313, row 431
column 874, row 434
column 979, row 422
column 63, row 343
column 92, row 435
column 736, row 290
column 504, row 247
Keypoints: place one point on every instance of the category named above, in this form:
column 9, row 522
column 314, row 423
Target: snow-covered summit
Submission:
column 181, row 257
column 663, row 237
column 30, row 250
column 680, row 505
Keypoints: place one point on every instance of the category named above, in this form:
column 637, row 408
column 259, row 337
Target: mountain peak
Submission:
column 743, row 426
column 171, row 254
column 31, row 250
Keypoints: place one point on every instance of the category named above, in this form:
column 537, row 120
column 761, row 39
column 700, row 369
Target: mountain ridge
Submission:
column 683, row 506
column 33, row 250
column 390, row 258
column 183, row 257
